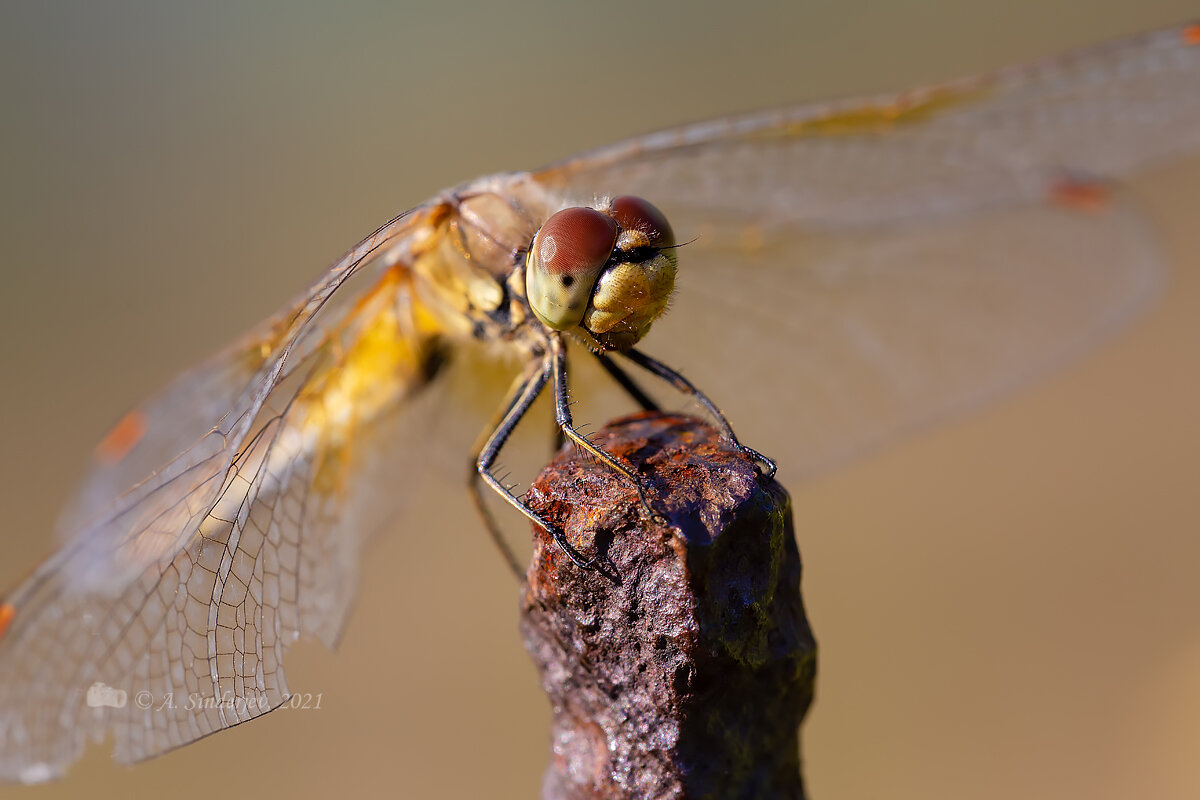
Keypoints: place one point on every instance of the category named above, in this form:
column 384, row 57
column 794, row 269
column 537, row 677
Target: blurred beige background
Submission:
column 1006, row 606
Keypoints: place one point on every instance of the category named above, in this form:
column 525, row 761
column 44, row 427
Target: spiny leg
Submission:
column 661, row 370
column 623, row 380
column 474, row 479
column 524, row 398
column 562, row 414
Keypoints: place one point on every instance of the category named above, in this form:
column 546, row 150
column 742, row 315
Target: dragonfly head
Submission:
column 609, row 270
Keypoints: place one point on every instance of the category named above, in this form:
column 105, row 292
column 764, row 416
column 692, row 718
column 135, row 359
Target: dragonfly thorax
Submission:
column 609, row 270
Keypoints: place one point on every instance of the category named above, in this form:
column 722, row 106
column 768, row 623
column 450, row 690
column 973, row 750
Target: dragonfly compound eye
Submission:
column 635, row 214
column 565, row 262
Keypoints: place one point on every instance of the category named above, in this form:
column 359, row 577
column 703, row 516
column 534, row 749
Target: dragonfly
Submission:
column 917, row 253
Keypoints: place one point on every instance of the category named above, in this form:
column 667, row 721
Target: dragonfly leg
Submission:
column 525, row 391
column 475, row 479
column 624, row 381
column 627, row 383
column 661, row 370
column 562, row 415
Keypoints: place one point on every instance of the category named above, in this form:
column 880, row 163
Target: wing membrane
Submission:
column 841, row 341
column 194, row 583
column 208, row 409
column 982, row 142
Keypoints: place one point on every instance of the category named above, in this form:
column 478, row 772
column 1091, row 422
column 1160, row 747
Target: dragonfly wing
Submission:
column 193, row 584
column 166, row 426
column 850, row 339
column 874, row 265
column 216, row 399
column 981, row 142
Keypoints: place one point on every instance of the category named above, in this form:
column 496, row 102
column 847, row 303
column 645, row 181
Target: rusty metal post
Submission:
column 682, row 666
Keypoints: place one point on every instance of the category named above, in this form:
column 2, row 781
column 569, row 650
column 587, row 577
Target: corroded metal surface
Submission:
column 682, row 665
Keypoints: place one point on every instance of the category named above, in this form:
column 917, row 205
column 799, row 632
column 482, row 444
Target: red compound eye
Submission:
column 566, row 260
column 634, row 213
column 575, row 241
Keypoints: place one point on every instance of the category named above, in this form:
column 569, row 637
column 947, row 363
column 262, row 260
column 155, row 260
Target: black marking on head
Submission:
column 635, row 255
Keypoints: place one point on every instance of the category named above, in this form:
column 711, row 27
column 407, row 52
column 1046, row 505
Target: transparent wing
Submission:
column 821, row 347
column 192, row 585
column 165, row 426
column 207, row 409
column 860, row 268
column 994, row 140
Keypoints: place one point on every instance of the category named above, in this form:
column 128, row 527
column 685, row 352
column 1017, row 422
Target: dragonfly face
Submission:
column 927, row 250
column 603, row 273
column 610, row 270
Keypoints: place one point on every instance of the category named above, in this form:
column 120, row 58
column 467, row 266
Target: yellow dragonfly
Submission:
column 922, row 251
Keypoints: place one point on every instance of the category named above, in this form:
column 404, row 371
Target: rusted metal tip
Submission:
column 682, row 666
